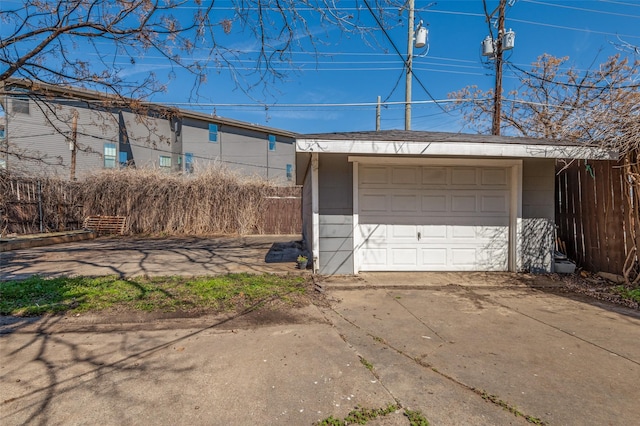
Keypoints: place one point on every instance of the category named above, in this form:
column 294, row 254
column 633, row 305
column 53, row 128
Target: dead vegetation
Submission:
column 215, row 201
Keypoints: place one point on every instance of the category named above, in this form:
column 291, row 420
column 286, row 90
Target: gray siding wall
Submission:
column 538, row 215
column 335, row 188
column 45, row 150
column 144, row 139
column 195, row 140
column 149, row 138
column 239, row 149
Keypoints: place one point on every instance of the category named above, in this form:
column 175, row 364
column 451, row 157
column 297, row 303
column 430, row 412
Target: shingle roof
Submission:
column 425, row 136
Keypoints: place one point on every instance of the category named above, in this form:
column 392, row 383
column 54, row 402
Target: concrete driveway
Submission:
column 475, row 349
column 443, row 342
column 152, row 256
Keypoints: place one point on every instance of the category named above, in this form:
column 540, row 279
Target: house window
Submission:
column 3, row 163
column 272, row 143
column 109, row 155
column 1, row 132
column 20, row 104
column 122, row 158
column 213, row 133
column 165, row 161
column 289, row 172
column 188, row 162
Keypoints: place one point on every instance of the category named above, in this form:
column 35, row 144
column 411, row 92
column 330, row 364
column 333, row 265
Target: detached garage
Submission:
column 424, row 201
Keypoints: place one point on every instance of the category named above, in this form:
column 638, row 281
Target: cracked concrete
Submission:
column 459, row 347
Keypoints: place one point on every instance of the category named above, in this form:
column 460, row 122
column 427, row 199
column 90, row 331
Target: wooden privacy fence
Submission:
column 282, row 215
column 591, row 214
column 30, row 206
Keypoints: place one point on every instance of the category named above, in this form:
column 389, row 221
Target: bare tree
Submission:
column 94, row 44
column 89, row 43
column 557, row 101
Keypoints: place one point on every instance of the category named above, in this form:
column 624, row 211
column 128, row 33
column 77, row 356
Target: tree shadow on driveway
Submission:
column 124, row 257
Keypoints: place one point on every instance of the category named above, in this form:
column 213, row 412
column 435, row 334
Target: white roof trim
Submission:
column 467, row 149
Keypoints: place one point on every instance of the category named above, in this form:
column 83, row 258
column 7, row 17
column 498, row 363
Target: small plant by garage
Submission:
column 302, row 261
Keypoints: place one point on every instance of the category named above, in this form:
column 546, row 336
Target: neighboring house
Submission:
column 46, row 126
column 423, row 201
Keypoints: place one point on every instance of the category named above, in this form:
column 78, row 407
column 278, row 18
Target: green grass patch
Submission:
column 359, row 416
column 416, row 418
column 38, row 296
column 629, row 293
column 366, row 363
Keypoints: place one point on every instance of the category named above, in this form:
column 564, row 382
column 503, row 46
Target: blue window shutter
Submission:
column 272, row 143
column 213, row 132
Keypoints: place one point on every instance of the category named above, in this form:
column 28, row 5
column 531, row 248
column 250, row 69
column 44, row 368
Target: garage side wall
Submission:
column 335, row 188
column 307, row 211
column 538, row 215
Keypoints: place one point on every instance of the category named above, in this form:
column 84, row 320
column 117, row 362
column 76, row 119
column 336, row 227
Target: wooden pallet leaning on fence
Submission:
column 105, row 224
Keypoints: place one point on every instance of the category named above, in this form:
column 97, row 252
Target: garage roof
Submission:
column 421, row 143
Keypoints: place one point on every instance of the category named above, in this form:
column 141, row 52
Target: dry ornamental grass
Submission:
column 214, row 201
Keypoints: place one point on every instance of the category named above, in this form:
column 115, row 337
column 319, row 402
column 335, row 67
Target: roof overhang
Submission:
column 454, row 149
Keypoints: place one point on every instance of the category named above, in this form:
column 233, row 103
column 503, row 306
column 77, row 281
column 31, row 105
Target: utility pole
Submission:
column 378, row 113
column 407, row 88
column 497, row 95
column 73, row 144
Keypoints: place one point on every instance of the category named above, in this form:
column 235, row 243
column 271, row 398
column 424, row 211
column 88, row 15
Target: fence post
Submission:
column 40, row 206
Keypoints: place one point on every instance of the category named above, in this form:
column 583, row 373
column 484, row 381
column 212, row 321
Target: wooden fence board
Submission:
column 591, row 215
column 282, row 215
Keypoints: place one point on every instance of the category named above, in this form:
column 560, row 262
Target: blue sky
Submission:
column 337, row 90
column 352, row 71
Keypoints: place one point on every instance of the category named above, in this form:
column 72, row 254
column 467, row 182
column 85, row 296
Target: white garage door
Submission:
column 432, row 218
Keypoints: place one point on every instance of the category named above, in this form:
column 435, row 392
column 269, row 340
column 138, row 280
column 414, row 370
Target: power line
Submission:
column 404, row 60
column 561, row 83
column 582, row 9
column 522, row 21
column 214, row 104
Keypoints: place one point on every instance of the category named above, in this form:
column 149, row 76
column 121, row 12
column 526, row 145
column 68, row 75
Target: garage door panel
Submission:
column 434, row 218
column 429, row 232
column 434, row 203
column 461, row 220
column 463, row 256
column 464, row 176
column 374, row 259
column 404, row 257
column 405, row 176
column 494, row 176
column 407, row 203
column 401, row 233
column 434, row 175
column 463, row 204
column 434, row 258
column 372, row 232
column 462, row 233
column 373, row 175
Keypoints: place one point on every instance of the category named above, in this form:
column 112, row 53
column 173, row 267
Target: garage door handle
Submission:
column 419, row 236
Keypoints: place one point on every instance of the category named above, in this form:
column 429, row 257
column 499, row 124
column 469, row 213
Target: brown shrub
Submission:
column 214, row 201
